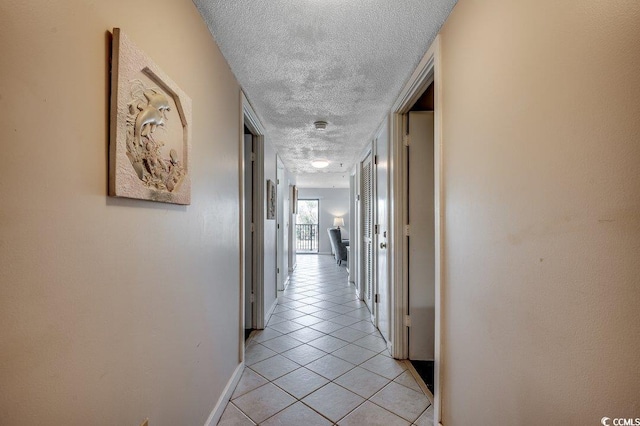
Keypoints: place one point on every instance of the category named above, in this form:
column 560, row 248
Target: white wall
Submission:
column 112, row 310
column 541, row 136
column 287, row 238
column 333, row 202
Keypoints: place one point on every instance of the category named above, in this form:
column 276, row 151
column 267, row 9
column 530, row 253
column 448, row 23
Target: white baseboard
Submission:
column 215, row 415
column 270, row 312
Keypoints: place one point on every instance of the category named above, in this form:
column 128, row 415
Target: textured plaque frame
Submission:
column 150, row 139
column 271, row 199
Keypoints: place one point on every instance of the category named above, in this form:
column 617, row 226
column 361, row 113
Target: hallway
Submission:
column 320, row 361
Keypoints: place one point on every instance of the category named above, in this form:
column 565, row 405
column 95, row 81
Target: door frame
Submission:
column 250, row 119
column 280, row 221
column 428, row 71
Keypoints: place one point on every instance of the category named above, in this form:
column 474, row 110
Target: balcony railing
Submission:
column 307, row 238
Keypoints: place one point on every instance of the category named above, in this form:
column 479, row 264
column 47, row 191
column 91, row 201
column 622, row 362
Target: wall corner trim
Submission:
column 220, row 406
column 287, row 281
column 270, row 311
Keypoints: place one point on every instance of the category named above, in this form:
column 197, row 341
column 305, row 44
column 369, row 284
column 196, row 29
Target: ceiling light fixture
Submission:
column 321, row 125
column 320, row 164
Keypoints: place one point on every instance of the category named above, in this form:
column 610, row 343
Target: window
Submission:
column 307, row 226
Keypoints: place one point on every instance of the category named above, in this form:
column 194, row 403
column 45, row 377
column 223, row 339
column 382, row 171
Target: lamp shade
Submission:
column 338, row 221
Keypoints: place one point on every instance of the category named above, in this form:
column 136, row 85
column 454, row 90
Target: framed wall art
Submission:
column 294, row 199
column 271, row 199
column 149, row 146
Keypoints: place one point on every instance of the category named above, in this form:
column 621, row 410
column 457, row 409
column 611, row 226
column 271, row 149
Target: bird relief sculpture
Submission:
column 147, row 115
column 150, row 129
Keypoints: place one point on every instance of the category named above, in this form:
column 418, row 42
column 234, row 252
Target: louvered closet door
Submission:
column 367, row 231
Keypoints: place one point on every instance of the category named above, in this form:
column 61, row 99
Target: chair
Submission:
column 338, row 245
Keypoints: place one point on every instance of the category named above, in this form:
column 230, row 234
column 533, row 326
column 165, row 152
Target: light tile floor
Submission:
column 320, row 361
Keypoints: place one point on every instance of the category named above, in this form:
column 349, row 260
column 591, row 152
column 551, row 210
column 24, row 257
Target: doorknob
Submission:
column 383, row 245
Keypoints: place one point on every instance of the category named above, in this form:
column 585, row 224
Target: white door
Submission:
column 383, row 299
column 367, row 232
column 280, row 185
column 248, row 234
column 421, row 236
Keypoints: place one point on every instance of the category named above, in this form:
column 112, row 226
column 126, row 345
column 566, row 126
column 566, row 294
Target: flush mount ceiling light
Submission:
column 320, row 125
column 320, row 164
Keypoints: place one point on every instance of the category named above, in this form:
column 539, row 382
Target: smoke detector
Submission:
column 320, row 125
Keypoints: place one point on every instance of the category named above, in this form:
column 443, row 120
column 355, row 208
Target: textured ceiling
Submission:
column 341, row 61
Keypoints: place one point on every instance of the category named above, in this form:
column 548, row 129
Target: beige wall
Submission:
column 541, row 130
column 111, row 310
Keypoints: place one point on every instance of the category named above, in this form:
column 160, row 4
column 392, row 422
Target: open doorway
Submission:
column 420, row 243
column 416, row 263
column 249, row 220
column 307, row 224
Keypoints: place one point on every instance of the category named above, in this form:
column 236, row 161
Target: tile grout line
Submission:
column 323, row 289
